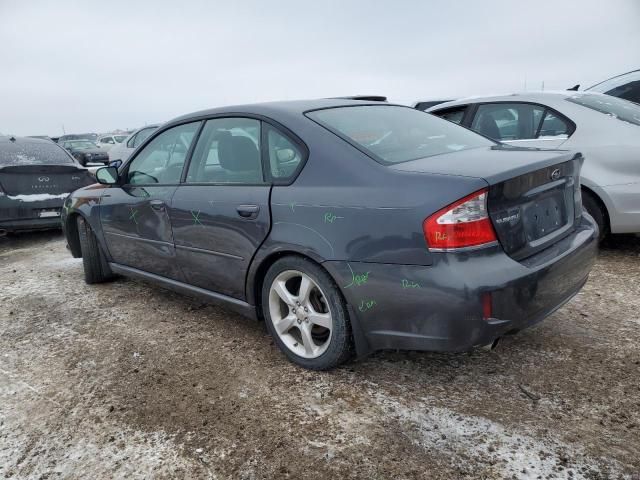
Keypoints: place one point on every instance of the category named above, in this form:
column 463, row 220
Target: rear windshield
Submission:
column 612, row 106
column 41, row 153
column 393, row 134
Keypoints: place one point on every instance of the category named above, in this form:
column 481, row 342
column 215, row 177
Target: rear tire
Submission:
column 319, row 339
column 96, row 268
column 596, row 210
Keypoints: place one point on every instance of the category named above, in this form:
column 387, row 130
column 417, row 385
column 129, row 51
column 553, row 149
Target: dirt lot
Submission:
column 127, row 380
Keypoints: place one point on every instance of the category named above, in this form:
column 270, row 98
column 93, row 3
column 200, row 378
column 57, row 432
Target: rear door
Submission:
column 220, row 214
column 135, row 217
column 522, row 124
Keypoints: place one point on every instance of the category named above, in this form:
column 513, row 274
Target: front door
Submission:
column 135, row 215
column 220, row 214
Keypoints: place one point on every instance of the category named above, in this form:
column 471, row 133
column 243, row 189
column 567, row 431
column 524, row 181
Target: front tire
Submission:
column 306, row 314
column 96, row 267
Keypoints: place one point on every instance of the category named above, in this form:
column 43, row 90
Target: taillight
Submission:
column 465, row 223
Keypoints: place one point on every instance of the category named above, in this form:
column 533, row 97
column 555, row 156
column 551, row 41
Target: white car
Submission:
column 121, row 151
column 605, row 129
column 110, row 140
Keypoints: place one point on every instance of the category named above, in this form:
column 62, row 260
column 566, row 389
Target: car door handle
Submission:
column 248, row 211
column 157, row 204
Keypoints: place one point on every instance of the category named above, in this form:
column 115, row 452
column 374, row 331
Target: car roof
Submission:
column 535, row 97
column 281, row 108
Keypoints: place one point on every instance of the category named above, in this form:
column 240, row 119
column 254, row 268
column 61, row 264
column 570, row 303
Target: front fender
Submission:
column 84, row 202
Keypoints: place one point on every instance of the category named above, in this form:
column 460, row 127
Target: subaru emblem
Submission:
column 555, row 175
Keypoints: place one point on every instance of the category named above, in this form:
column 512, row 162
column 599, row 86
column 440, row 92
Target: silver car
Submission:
column 122, row 150
column 605, row 129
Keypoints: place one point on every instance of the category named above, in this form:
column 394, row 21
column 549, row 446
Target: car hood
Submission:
column 493, row 164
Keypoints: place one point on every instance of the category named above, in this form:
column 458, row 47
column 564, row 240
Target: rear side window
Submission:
column 518, row 121
column 612, row 106
column 284, row 155
column 45, row 153
column 393, row 134
column 228, row 151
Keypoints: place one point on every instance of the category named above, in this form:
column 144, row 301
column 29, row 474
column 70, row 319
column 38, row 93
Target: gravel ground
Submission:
column 128, row 380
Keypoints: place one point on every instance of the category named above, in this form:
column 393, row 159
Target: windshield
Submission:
column 612, row 106
column 41, row 153
column 393, row 134
column 80, row 144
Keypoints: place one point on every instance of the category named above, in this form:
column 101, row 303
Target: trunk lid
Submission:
column 52, row 180
column 534, row 194
column 534, row 210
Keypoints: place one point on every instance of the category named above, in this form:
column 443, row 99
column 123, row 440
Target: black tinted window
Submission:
column 45, row 153
column 624, row 86
column 393, row 134
column 228, row 151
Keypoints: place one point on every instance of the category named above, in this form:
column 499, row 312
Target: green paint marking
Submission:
column 330, row 217
column 409, row 284
column 367, row 305
column 133, row 212
column 196, row 217
column 357, row 280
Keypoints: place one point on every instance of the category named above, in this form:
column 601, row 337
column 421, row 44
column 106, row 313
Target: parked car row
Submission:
column 338, row 220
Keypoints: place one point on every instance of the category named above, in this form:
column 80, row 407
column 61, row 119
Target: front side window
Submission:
column 284, row 155
column 611, row 106
column 140, row 137
column 119, row 138
column 393, row 134
column 107, row 140
column 228, row 151
column 162, row 160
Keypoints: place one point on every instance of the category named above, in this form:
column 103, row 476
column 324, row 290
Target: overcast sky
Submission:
column 97, row 66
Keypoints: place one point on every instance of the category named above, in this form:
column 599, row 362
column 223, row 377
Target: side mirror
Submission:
column 115, row 163
column 107, row 175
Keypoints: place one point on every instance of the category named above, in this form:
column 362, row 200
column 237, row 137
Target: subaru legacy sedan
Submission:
column 347, row 226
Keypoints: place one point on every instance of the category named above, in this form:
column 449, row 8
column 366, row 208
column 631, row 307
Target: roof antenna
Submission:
column 574, row 88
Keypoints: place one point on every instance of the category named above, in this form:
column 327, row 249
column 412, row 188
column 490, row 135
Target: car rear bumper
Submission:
column 440, row 307
column 18, row 215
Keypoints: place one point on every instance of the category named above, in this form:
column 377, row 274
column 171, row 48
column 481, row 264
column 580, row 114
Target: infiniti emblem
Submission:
column 43, row 179
column 555, row 174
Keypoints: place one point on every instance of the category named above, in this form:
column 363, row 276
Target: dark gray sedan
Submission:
column 348, row 226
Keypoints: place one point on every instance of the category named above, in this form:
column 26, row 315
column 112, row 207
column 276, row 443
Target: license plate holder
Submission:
column 49, row 213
